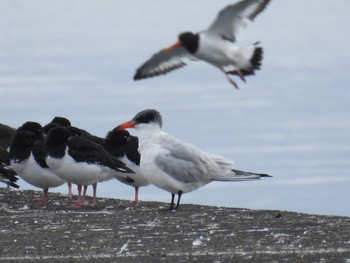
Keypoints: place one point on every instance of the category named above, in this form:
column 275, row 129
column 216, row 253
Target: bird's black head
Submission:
column 33, row 127
column 148, row 116
column 190, row 41
column 118, row 137
column 49, row 127
column 74, row 131
column 58, row 135
column 24, row 139
column 62, row 121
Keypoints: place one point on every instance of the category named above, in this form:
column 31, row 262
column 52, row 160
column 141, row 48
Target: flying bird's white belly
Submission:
column 221, row 53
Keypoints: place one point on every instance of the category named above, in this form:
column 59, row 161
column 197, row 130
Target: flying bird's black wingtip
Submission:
column 137, row 76
column 140, row 74
column 259, row 9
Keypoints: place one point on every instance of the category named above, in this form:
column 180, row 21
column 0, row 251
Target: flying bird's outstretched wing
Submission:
column 232, row 17
column 163, row 62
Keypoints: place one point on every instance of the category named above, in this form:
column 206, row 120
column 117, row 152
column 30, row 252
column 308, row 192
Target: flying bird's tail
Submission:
column 255, row 61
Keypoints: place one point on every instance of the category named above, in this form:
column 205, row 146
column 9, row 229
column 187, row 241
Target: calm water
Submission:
column 76, row 59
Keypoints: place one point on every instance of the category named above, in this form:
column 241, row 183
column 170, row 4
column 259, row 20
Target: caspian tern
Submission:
column 176, row 166
column 215, row 45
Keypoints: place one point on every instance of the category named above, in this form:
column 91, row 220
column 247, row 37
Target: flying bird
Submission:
column 216, row 45
column 176, row 166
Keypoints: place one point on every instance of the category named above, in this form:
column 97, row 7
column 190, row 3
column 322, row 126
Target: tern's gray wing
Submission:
column 232, row 17
column 185, row 163
column 163, row 62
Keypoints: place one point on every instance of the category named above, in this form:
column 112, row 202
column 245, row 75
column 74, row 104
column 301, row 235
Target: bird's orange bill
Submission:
column 177, row 44
column 125, row 125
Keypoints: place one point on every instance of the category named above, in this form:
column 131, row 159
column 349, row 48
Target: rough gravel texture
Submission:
column 113, row 231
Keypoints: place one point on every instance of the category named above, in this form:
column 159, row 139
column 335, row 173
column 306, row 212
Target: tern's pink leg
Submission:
column 136, row 201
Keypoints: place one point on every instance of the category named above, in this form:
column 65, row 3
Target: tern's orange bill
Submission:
column 126, row 125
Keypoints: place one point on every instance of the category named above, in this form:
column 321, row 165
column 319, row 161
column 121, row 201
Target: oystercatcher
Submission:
column 215, row 45
column 124, row 146
column 28, row 160
column 81, row 161
column 7, row 174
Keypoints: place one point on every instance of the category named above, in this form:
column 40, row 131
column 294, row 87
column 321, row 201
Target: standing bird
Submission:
column 124, row 146
column 7, row 174
column 59, row 121
column 214, row 46
column 82, row 162
column 6, row 134
column 175, row 166
column 27, row 159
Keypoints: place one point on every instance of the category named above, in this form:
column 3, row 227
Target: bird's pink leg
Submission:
column 239, row 73
column 70, row 194
column 94, row 199
column 44, row 196
column 136, row 201
column 229, row 79
column 84, row 194
column 78, row 203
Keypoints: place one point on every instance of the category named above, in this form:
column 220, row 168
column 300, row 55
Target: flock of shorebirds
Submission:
column 58, row 153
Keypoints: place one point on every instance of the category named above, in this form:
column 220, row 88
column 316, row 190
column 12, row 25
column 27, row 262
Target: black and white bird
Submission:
column 176, row 166
column 82, row 162
column 124, row 146
column 216, row 45
column 28, row 160
column 6, row 134
column 33, row 127
column 60, row 121
column 7, row 174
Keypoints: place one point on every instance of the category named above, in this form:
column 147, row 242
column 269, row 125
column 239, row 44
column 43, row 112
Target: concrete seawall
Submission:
column 114, row 232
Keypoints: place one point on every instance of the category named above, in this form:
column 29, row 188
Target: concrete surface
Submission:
column 113, row 231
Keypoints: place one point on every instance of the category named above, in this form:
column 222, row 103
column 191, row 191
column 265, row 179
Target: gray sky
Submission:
column 77, row 59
